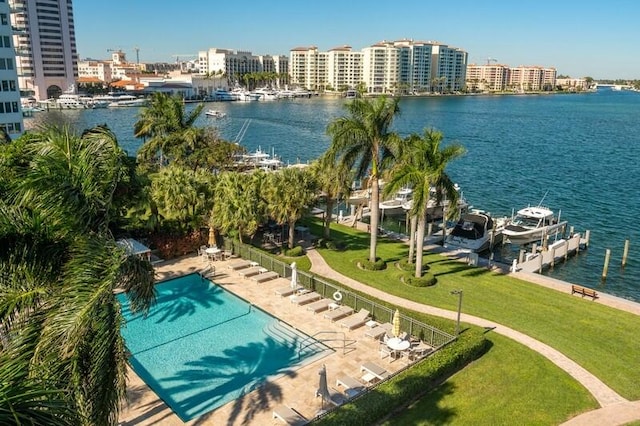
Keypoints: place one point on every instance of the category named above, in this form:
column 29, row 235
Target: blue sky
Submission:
column 578, row 38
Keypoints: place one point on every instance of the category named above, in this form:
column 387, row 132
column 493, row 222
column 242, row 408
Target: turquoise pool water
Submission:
column 201, row 346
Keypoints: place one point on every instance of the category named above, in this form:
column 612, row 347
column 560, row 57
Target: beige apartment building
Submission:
column 403, row 66
column 499, row 78
column 235, row 63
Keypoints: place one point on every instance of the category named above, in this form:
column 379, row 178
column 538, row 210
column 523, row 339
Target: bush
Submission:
column 425, row 280
column 378, row 265
column 331, row 244
column 410, row 384
column 293, row 252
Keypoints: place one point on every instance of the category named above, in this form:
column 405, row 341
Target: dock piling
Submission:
column 605, row 269
column 625, row 252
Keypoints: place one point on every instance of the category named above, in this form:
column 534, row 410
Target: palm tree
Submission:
column 334, row 180
column 422, row 163
column 61, row 267
column 289, row 195
column 238, row 206
column 362, row 142
column 166, row 128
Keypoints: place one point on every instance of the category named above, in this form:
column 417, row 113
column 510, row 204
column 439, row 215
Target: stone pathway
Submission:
column 615, row 410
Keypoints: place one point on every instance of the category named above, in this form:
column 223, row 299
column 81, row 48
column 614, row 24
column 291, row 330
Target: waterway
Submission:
column 581, row 150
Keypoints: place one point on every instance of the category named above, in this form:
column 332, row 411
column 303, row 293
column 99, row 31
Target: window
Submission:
column 4, row 19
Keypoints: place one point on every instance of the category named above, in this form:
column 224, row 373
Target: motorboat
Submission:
column 435, row 210
column 127, row 101
column 351, row 94
column 532, row 224
column 215, row 113
column 223, row 95
column 475, row 232
column 395, row 205
column 70, row 101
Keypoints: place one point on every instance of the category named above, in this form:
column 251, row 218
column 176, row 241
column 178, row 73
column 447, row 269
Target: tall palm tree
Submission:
column 362, row 141
column 165, row 127
column 422, row 165
column 61, row 266
column 289, row 195
column 334, row 180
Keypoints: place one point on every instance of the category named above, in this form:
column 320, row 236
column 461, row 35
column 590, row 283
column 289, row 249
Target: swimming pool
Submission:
column 201, row 346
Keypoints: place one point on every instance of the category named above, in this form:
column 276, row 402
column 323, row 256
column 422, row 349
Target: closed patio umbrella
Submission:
column 212, row 237
column 396, row 323
column 323, row 388
column 294, row 275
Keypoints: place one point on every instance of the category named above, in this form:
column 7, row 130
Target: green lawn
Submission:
column 601, row 339
column 491, row 391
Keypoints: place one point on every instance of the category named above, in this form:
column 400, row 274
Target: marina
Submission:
column 518, row 148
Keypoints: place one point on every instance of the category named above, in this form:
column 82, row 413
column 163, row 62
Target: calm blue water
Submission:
column 201, row 347
column 583, row 149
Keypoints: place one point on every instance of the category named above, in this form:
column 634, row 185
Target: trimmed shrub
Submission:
column 293, row 252
column 378, row 265
column 427, row 280
column 410, row 384
column 330, row 244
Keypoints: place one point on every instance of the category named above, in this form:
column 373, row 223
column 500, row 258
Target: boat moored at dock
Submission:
column 532, row 224
column 476, row 232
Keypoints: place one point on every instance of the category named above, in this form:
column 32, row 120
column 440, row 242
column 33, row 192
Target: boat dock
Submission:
column 541, row 258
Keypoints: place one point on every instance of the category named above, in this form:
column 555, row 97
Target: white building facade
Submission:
column 44, row 38
column 234, row 64
column 10, row 107
column 397, row 67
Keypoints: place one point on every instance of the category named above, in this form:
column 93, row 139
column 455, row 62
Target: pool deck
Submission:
column 296, row 389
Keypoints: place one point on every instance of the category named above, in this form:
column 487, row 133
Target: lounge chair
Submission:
column 305, row 298
column 356, row 320
column 254, row 270
column 289, row 416
column 374, row 370
column 287, row 291
column 265, row 276
column 240, row 264
column 352, row 387
column 338, row 313
column 320, row 305
column 378, row 331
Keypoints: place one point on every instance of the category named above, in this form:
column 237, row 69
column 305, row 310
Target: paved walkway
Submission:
column 615, row 410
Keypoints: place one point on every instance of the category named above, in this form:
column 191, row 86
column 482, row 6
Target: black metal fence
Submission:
column 430, row 335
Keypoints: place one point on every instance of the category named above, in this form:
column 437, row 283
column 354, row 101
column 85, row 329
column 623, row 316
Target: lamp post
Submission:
column 459, row 293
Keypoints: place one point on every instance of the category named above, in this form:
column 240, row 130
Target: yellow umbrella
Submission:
column 396, row 323
column 212, row 237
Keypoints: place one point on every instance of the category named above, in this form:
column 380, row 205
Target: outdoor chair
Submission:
column 265, row 276
column 338, row 313
column 320, row 305
column 352, row 387
column 289, row 416
column 355, row 320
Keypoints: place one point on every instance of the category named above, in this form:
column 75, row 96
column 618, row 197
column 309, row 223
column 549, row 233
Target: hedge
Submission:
column 410, row 384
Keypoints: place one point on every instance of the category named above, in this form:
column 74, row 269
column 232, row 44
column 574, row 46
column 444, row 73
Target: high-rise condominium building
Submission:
column 45, row 42
column 499, row 77
column 10, row 112
column 403, row 66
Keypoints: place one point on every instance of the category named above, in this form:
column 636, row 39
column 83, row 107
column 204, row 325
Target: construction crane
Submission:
column 489, row 60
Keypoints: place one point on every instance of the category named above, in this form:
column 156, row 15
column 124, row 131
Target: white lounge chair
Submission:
column 320, row 305
column 378, row 331
column 305, row 298
column 356, row 320
column 287, row 291
column 374, row 370
column 338, row 313
column 265, row 276
column 254, row 270
column 289, row 416
column 352, row 387
column 240, row 264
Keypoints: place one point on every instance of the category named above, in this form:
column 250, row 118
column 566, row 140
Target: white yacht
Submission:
column 436, row 210
column 70, row 101
column 127, row 101
column 532, row 224
column 475, row 232
column 395, row 205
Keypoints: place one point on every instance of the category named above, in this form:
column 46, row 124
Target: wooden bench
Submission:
column 584, row 291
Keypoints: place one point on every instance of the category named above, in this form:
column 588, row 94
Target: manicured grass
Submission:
column 601, row 339
column 492, row 391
